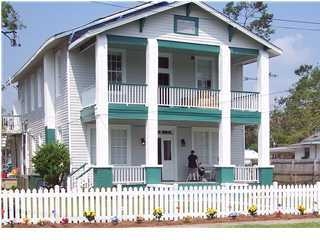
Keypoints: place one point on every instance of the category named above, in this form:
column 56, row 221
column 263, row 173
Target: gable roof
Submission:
column 80, row 34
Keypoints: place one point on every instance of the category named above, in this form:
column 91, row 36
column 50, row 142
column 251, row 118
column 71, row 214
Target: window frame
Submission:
column 210, row 132
column 166, row 70
column 186, row 18
column 128, row 129
column 123, row 63
column 197, row 58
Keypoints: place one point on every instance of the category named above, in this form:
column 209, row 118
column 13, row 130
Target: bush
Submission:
column 52, row 162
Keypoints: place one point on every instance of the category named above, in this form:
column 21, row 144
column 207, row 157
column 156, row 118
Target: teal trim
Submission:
column 189, row 114
column 245, row 117
column 231, row 32
column 197, row 48
column 244, row 51
column 131, row 111
column 50, row 135
column 141, row 24
column 124, row 40
column 117, row 111
column 195, row 20
column 266, row 175
column 225, row 174
column 153, row 175
column 88, row 114
column 102, row 177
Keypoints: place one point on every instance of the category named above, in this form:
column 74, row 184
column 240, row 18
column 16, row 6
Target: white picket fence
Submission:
column 176, row 202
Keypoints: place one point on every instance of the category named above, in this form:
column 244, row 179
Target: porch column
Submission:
column 49, row 97
column 225, row 169
column 265, row 169
column 152, row 169
column 103, row 171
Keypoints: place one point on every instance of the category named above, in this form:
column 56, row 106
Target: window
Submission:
column 306, row 153
column 93, row 146
column 203, row 73
column 39, row 83
column 58, row 72
column 164, row 70
column 186, row 25
column 116, row 72
column 201, row 146
column 32, row 93
column 119, row 146
column 59, row 134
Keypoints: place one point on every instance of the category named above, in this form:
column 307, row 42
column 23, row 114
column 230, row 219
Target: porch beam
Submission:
column 264, row 127
column 101, row 108
column 152, row 103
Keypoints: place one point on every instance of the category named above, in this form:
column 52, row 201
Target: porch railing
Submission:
column 242, row 100
column 118, row 93
column 127, row 93
column 128, row 174
column 11, row 124
column 188, row 97
column 246, row 174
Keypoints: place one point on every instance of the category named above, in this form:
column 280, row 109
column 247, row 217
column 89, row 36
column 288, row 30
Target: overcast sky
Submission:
column 43, row 19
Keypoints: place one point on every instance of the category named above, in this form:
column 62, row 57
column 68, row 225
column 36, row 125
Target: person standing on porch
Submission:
column 192, row 167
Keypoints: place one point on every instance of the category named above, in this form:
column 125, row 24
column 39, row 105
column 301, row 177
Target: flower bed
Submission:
column 156, row 223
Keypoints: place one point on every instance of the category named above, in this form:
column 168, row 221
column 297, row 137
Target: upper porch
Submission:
column 189, row 75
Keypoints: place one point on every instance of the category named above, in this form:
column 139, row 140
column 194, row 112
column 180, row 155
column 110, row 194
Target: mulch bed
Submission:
column 128, row 224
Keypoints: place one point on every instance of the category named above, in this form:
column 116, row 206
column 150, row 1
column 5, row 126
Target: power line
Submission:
column 295, row 21
column 297, row 28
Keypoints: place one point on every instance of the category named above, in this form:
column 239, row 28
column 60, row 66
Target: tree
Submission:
column 52, row 162
column 297, row 115
column 252, row 15
column 11, row 22
column 251, row 137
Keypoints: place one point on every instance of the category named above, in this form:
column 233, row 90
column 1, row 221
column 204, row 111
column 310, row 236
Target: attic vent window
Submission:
column 186, row 25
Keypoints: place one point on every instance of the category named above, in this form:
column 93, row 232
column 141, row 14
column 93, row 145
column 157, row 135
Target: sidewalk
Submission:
column 262, row 223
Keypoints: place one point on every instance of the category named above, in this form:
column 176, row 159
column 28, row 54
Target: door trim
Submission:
column 174, row 147
column 197, row 58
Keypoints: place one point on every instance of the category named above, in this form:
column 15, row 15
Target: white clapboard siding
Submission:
column 176, row 202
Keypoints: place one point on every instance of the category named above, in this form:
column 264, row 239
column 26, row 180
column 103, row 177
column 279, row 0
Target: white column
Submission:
column 264, row 127
column 49, row 91
column 225, row 106
column 101, row 110
column 152, row 103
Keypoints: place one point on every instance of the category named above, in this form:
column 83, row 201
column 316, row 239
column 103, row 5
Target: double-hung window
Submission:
column 116, row 66
column 119, row 146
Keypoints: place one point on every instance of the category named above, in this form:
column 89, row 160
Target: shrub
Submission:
column 211, row 213
column 301, row 209
column 52, row 162
column 187, row 219
column 252, row 210
column 90, row 215
column 157, row 213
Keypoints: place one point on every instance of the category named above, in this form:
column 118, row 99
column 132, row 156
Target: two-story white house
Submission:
column 132, row 93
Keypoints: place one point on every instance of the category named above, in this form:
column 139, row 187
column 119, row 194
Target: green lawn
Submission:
column 277, row 225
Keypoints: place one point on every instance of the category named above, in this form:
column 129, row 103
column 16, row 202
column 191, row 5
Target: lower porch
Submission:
column 127, row 153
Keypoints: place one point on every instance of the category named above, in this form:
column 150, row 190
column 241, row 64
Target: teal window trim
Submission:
column 186, row 18
column 114, row 39
column 204, row 48
column 244, row 51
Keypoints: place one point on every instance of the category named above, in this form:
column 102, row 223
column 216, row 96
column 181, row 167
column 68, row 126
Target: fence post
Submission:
column 318, row 195
column 119, row 202
column 175, row 201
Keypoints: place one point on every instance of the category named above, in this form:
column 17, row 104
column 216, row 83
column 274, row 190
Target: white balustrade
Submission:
column 246, row 174
column 248, row 101
column 188, row 97
column 127, row 93
column 118, row 93
column 11, row 124
column 128, row 174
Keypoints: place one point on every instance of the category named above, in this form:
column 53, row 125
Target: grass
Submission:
column 277, row 225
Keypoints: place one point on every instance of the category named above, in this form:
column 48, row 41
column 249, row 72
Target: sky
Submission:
column 43, row 19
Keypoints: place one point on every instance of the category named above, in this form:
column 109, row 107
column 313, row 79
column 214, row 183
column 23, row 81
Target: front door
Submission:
column 166, row 157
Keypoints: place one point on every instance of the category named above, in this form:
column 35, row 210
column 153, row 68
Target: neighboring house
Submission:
column 299, row 162
column 132, row 93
